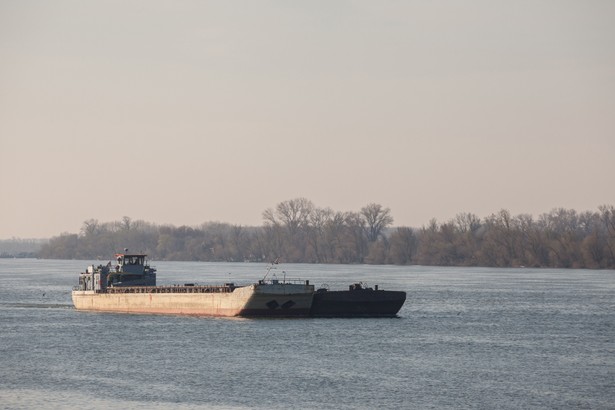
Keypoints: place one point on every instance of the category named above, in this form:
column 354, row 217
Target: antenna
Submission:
column 275, row 262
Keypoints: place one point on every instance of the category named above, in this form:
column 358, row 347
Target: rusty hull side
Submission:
column 243, row 301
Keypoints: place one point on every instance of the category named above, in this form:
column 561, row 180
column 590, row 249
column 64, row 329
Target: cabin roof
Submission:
column 129, row 254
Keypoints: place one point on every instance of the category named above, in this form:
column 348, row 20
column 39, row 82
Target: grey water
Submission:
column 466, row 338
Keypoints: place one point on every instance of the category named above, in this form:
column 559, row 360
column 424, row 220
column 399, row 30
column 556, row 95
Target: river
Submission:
column 466, row 338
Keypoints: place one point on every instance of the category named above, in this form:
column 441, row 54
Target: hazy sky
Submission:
column 184, row 112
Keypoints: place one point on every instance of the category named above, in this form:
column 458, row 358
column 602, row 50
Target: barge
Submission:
column 130, row 287
column 358, row 301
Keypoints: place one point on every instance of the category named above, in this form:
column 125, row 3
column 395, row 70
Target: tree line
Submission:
column 20, row 248
column 299, row 232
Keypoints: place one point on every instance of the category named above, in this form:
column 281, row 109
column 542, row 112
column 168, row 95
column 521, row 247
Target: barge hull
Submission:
column 357, row 303
column 246, row 301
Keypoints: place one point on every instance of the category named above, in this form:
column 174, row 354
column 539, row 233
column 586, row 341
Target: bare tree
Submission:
column 467, row 222
column 404, row 245
column 269, row 217
column 607, row 215
column 319, row 219
column 294, row 214
column 90, row 227
column 126, row 223
column 376, row 219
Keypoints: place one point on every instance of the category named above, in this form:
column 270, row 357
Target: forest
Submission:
column 296, row 231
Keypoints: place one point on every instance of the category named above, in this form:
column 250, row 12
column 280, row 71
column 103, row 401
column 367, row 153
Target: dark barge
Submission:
column 357, row 301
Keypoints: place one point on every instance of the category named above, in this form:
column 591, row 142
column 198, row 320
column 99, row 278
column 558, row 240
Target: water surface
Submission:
column 466, row 338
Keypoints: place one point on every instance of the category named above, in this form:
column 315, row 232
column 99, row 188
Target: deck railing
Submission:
column 171, row 289
column 284, row 281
